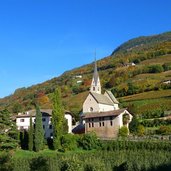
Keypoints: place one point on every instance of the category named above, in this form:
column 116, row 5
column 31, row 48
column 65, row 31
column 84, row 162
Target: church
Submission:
column 101, row 112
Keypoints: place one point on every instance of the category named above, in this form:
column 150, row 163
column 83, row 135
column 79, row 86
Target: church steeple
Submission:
column 95, row 85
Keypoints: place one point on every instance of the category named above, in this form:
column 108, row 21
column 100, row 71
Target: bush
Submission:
column 164, row 130
column 155, row 69
column 69, row 142
column 140, row 130
column 89, row 142
column 123, row 132
column 71, row 165
column 166, row 66
column 5, row 162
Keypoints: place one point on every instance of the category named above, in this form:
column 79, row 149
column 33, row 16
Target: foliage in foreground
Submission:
column 99, row 155
column 123, row 160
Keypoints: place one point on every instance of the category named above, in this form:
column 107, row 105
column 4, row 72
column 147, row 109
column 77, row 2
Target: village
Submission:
column 100, row 115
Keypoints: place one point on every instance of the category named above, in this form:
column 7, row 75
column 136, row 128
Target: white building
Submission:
column 101, row 113
column 23, row 121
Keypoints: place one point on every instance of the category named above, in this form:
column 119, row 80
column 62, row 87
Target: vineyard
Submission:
column 110, row 156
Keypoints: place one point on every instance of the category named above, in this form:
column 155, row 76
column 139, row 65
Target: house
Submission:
column 101, row 112
column 167, row 82
column 130, row 64
column 23, row 121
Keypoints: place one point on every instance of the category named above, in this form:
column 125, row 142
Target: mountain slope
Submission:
column 143, row 41
column 151, row 54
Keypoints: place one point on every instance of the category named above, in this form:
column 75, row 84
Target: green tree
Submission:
column 39, row 132
column 57, row 119
column 30, row 145
column 8, row 131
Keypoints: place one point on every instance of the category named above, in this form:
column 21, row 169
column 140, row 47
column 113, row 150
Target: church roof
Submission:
column 112, row 97
column 103, row 114
column 101, row 98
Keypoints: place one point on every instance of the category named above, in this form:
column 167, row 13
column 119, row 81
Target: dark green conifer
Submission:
column 30, row 145
column 39, row 132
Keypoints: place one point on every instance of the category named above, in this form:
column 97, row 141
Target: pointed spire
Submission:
column 95, row 86
column 96, row 75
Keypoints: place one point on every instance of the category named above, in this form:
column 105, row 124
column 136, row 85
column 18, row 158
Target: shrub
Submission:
column 166, row 66
column 69, row 142
column 123, row 132
column 155, row 69
column 71, row 165
column 140, row 130
column 5, row 162
column 164, row 130
column 89, row 141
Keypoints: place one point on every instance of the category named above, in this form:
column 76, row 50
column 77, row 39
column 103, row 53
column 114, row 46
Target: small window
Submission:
column 92, row 124
column 43, row 126
column 50, row 126
column 100, row 124
column 89, row 125
column 43, row 119
column 111, row 123
column 103, row 123
column 21, row 120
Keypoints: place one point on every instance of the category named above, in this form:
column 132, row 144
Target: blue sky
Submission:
column 41, row 39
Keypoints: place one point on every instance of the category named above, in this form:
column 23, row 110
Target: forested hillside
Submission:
column 152, row 58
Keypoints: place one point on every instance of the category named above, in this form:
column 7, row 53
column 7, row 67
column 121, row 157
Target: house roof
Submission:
column 112, row 97
column 103, row 114
column 45, row 112
column 100, row 98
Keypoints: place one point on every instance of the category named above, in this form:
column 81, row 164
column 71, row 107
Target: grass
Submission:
column 76, row 101
column 148, row 95
column 160, row 60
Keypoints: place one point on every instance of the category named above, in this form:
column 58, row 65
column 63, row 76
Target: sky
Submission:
column 41, row 39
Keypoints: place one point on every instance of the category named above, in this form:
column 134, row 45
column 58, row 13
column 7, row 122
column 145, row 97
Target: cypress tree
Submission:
column 57, row 119
column 39, row 132
column 30, row 145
